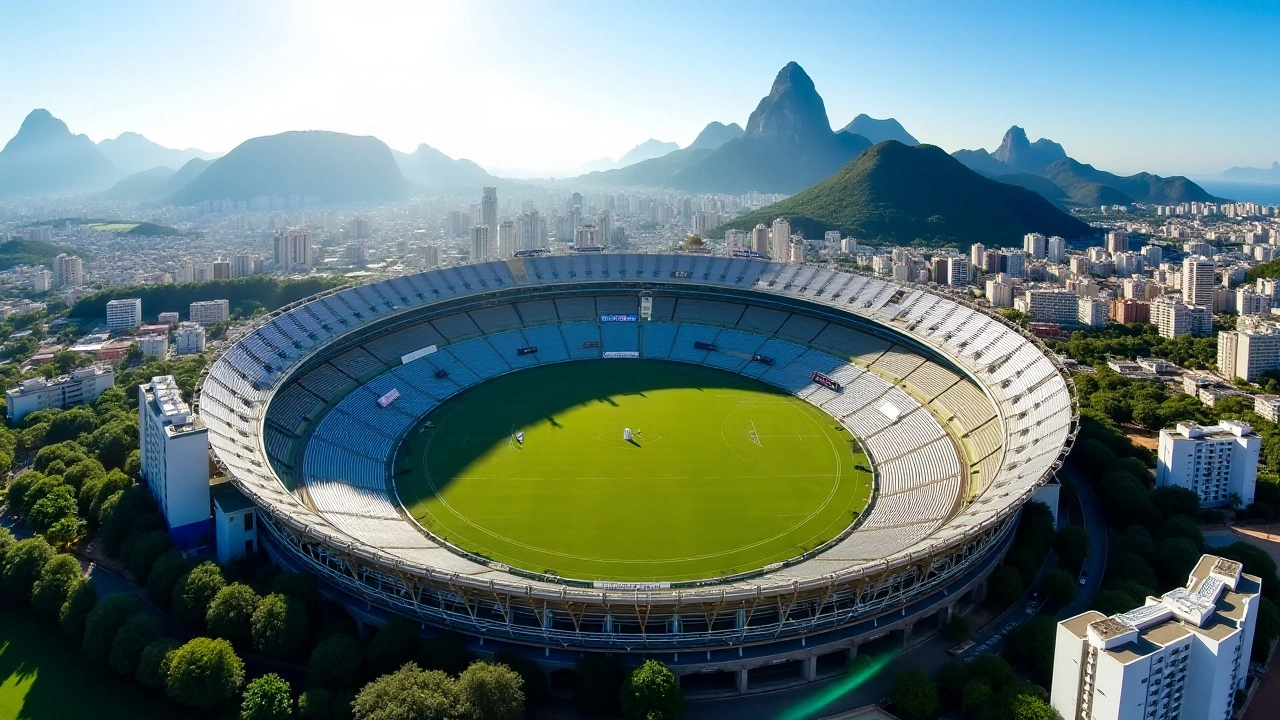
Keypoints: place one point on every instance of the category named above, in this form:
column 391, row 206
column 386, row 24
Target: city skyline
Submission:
column 1110, row 84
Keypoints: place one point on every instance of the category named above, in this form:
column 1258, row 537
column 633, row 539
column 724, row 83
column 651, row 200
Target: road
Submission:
column 840, row 694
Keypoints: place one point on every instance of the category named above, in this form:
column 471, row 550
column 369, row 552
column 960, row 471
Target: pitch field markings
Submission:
column 696, row 497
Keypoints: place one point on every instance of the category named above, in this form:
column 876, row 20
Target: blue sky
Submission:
column 1170, row 87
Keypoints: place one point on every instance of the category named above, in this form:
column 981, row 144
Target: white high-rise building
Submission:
column 209, row 312
column 1093, row 311
column 174, row 445
column 68, row 272
column 241, row 265
column 1055, row 248
column 489, row 208
column 1117, row 241
column 977, row 255
column 83, row 385
column 1000, row 291
column 796, row 253
column 585, row 236
column 1152, row 255
column 760, row 239
column 1181, row 656
column 1197, row 281
column 780, row 235
column 1173, row 317
column 1217, row 462
column 124, row 313
column 1034, row 245
column 188, row 339
column 1053, row 306
column 186, row 271
column 292, row 249
column 506, row 238
column 1250, row 350
column 480, row 243
column 958, row 271
column 735, row 240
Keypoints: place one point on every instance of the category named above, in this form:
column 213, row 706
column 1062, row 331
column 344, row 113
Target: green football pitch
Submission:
column 724, row 473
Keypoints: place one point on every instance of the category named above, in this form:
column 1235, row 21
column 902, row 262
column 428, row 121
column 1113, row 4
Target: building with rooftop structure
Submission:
column 1181, row 655
column 1217, row 462
column 124, row 313
column 174, row 445
column 81, row 386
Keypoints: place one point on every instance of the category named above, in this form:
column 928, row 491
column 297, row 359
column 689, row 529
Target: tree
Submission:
column 915, row 695
column 395, row 644
column 1005, row 586
column 65, row 532
column 267, row 698
column 230, row 614
column 23, row 563
column 81, row 600
column 279, row 626
column 164, row 576
column 203, row 673
column 1030, row 647
column 145, row 550
column 1059, row 588
column 535, row 684
column 194, row 592
column 409, row 693
column 1072, row 545
column 153, row 664
column 1030, row 707
column 106, row 619
column 1175, row 561
column 335, row 663
column 131, row 639
column 315, row 704
column 446, row 652
column 56, row 505
column 58, row 578
column 652, row 693
column 597, row 684
column 975, row 697
column 1173, row 500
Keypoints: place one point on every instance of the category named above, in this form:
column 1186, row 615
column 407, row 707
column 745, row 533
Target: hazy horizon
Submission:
column 541, row 89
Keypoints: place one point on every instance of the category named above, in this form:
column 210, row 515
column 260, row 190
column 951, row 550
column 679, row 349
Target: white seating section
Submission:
column 917, row 462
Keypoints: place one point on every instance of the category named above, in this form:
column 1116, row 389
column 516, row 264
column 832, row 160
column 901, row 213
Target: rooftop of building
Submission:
column 229, row 499
column 1212, row 604
column 34, row 384
column 1224, row 430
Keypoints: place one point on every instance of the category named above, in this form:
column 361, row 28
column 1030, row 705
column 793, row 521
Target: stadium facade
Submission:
column 963, row 414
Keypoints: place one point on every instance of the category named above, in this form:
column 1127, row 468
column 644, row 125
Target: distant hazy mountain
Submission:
column 431, row 168
column 714, row 135
column 133, row 153
column 787, row 146
column 1083, row 184
column 877, row 131
column 45, row 158
column 339, row 168
column 156, row 183
column 647, row 150
column 1252, row 174
column 897, row 194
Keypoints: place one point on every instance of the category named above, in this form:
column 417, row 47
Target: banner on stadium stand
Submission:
column 406, row 359
column 619, row 318
column 603, row 585
column 389, row 398
column 621, row 354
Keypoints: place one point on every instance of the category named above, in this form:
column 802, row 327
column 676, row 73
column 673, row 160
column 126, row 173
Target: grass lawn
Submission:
column 43, row 676
column 725, row 474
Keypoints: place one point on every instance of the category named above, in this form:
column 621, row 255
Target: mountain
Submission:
column 1024, row 156
column 1040, row 185
column 1252, row 174
column 787, row 146
column 133, row 153
column 431, row 168
column 1082, row 183
column 339, row 168
column 45, row 158
column 155, row 184
column 904, row 195
column 714, row 135
column 877, row 131
column 647, row 150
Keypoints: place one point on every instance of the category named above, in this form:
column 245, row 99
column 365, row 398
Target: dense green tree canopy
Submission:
column 203, row 673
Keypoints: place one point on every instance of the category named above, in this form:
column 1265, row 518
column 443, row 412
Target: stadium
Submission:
column 746, row 469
